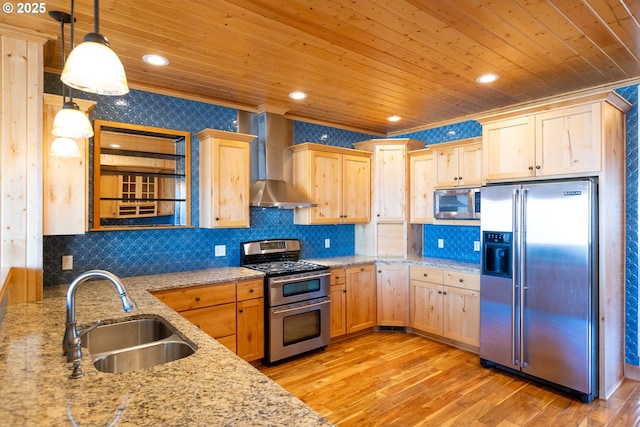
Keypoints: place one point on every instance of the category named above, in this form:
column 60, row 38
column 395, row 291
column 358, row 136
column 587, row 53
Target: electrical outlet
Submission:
column 220, row 250
column 327, row 243
column 440, row 243
column 67, row 262
column 476, row 245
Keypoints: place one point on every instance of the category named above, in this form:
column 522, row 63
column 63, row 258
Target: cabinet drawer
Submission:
column 461, row 279
column 427, row 274
column 217, row 321
column 198, row 296
column 338, row 276
column 250, row 289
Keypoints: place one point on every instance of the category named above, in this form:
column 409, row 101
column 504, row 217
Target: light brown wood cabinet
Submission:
column 232, row 313
column 446, row 303
column 64, row 179
column 224, row 178
column 389, row 233
column 421, row 183
column 565, row 139
column 250, row 318
column 337, row 179
column 458, row 163
column 338, row 296
column 393, row 295
column 361, row 297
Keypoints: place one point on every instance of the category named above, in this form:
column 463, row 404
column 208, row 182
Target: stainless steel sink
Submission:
column 143, row 356
column 135, row 344
column 128, row 333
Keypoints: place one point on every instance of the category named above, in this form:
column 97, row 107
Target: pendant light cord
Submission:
column 96, row 16
column 64, row 98
column 73, row 20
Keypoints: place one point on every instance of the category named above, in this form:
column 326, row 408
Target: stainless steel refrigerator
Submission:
column 538, row 288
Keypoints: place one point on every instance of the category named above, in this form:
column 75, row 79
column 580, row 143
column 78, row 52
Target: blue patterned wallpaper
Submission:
column 631, row 268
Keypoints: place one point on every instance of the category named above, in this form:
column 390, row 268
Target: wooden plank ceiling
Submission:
column 361, row 61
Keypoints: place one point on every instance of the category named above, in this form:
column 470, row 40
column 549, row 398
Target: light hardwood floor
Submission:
column 397, row 379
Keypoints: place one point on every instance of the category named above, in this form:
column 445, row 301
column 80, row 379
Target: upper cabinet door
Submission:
column 421, row 178
column 390, row 183
column 356, row 189
column 326, row 187
column 568, row 140
column 447, row 173
column 470, row 164
column 224, row 178
column 508, row 149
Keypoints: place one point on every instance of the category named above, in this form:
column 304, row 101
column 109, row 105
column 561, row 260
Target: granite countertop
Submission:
column 351, row 260
column 212, row 387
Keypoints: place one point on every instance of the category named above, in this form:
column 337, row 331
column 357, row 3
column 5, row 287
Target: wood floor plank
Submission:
column 397, row 379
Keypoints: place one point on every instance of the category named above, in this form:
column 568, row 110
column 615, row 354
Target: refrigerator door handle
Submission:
column 514, row 278
column 523, row 274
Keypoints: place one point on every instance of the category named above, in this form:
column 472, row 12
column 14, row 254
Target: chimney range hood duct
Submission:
column 269, row 155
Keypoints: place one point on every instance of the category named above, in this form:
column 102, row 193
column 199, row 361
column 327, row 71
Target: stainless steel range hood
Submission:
column 271, row 161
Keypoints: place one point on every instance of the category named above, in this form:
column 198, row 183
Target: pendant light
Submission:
column 92, row 66
column 69, row 122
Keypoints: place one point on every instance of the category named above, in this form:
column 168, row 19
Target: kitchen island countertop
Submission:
column 212, row 387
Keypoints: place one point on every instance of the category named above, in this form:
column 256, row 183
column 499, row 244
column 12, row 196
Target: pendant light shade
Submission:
column 64, row 147
column 70, row 122
column 93, row 67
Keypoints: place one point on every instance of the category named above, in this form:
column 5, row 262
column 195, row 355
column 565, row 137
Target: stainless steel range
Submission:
column 296, row 297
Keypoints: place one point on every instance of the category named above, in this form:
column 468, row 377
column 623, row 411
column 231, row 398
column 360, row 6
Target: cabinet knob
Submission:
column 240, row 311
column 530, row 168
column 537, row 166
column 344, row 291
column 251, row 290
column 217, row 219
column 379, row 271
column 460, row 280
column 197, row 298
column 440, row 292
column 444, row 292
column 460, row 178
column 361, row 268
column 455, row 178
column 377, row 214
column 425, row 274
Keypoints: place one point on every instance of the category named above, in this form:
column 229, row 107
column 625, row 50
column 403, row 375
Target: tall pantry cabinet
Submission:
column 389, row 233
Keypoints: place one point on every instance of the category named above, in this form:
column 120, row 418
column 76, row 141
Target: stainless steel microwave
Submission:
column 458, row 203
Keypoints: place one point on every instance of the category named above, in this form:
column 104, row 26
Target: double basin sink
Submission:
column 134, row 344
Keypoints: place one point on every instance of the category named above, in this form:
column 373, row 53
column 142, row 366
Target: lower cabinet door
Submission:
column 250, row 339
column 462, row 316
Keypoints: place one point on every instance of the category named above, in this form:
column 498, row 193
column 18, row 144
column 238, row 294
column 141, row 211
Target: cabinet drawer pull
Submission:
column 460, row 280
column 197, row 299
column 251, row 290
column 425, row 274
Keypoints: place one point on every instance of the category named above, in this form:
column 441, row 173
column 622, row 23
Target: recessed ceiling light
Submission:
column 297, row 95
column 154, row 59
column 487, row 78
column 394, row 118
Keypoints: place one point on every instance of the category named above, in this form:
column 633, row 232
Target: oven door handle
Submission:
column 287, row 310
column 277, row 281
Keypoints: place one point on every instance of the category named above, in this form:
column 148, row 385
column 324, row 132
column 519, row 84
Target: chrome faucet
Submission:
column 71, row 345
